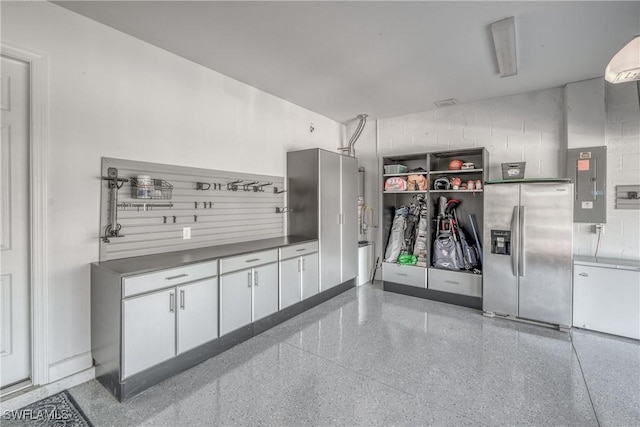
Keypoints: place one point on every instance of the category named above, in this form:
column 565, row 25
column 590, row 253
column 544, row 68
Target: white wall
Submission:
column 115, row 96
column 526, row 127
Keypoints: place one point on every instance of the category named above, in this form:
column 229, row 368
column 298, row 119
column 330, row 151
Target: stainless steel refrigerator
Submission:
column 528, row 247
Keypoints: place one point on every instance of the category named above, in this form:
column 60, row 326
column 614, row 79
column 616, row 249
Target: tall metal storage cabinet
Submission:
column 322, row 198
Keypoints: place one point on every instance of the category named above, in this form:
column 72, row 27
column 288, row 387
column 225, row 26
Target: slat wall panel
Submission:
column 235, row 216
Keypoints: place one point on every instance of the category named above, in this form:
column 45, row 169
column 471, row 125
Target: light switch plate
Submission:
column 186, row 232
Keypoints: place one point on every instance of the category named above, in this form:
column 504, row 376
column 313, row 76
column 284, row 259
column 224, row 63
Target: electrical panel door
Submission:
column 587, row 169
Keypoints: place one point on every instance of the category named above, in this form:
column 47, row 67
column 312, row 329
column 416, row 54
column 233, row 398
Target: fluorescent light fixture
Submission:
column 625, row 65
column 504, row 41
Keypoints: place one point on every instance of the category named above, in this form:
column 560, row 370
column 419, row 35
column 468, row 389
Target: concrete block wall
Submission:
column 525, row 127
column 622, row 136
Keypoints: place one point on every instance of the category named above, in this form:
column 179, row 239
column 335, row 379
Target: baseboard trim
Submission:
column 447, row 297
column 26, row 397
column 70, row 366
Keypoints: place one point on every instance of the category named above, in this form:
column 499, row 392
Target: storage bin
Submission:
column 513, row 170
column 395, row 169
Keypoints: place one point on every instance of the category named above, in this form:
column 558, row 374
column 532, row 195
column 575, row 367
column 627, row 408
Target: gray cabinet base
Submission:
column 129, row 387
column 457, row 299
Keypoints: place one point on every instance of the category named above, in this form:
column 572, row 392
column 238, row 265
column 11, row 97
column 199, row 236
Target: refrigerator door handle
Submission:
column 515, row 248
column 521, row 257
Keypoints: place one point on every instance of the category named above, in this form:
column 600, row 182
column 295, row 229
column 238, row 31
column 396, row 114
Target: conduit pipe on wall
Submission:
column 349, row 149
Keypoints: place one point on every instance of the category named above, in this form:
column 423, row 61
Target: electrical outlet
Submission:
column 186, row 232
column 599, row 228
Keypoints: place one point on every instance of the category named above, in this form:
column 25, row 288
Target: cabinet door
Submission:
column 149, row 330
column 330, row 219
column 349, row 207
column 290, row 284
column 265, row 290
column 309, row 275
column 235, row 300
column 197, row 314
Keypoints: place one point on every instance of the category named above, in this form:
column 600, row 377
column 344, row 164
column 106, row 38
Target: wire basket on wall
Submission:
column 155, row 189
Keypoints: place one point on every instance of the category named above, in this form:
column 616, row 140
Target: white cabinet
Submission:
column 298, row 275
column 249, row 294
column 149, row 328
column 607, row 300
column 158, row 325
column 235, row 300
column 197, row 314
column 265, row 290
column 310, row 275
column 290, row 282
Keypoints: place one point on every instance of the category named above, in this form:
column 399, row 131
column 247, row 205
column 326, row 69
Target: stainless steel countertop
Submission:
column 621, row 264
column 149, row 263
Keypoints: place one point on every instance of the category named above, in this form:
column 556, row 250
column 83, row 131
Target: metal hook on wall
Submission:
column 233, row 185
column 260, row 187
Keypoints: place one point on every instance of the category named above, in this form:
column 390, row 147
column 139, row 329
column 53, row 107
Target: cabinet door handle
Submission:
column 176, row 277
column 402, row 274
column 302, row 264
column 172, row 302
column 249, row 279
column 583, row 275
column 255, row 278
column 182, row 299
column 298, row 266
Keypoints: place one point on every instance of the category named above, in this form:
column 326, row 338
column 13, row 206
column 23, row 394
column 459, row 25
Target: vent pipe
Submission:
column 349, row 149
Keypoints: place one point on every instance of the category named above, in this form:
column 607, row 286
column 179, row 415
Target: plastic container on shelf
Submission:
column 513, row 170
column 144, row 187
column 395, row 169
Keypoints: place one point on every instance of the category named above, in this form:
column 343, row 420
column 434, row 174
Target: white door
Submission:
column 15, row 329
column 197, row 314
column 290, row 282
column 265, row 290
column 235, row 300
column 330, row 220
column 149, row 329
column 349, row 206
column 309, row 275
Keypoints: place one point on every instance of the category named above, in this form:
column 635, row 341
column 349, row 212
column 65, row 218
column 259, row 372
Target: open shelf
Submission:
column 455, row 191
column 405, row 173
column 456, row 171
column 406, row 192
column 461, row 287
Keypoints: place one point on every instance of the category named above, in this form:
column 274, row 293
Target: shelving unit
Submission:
column 460, row 287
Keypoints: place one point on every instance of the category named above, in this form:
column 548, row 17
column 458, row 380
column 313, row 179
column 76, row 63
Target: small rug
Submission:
column 59, row 410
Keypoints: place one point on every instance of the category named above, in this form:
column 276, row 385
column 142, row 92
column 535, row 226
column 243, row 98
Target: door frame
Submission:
column 38, row 143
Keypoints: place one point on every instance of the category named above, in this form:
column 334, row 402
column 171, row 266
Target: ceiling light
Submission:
column 625, row 65
column 504, row 41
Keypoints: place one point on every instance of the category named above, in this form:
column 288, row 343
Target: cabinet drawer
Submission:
column 161, row 279
column 253, row 259
column 297, row 250
column 404, row 274
column 456, row 282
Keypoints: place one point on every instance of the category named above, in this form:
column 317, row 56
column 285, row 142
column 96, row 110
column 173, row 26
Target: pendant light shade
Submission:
column 625, row 65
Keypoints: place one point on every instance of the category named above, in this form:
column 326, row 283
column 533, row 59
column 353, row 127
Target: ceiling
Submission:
column 383, row 58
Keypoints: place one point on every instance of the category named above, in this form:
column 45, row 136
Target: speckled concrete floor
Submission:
column 370, row 357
